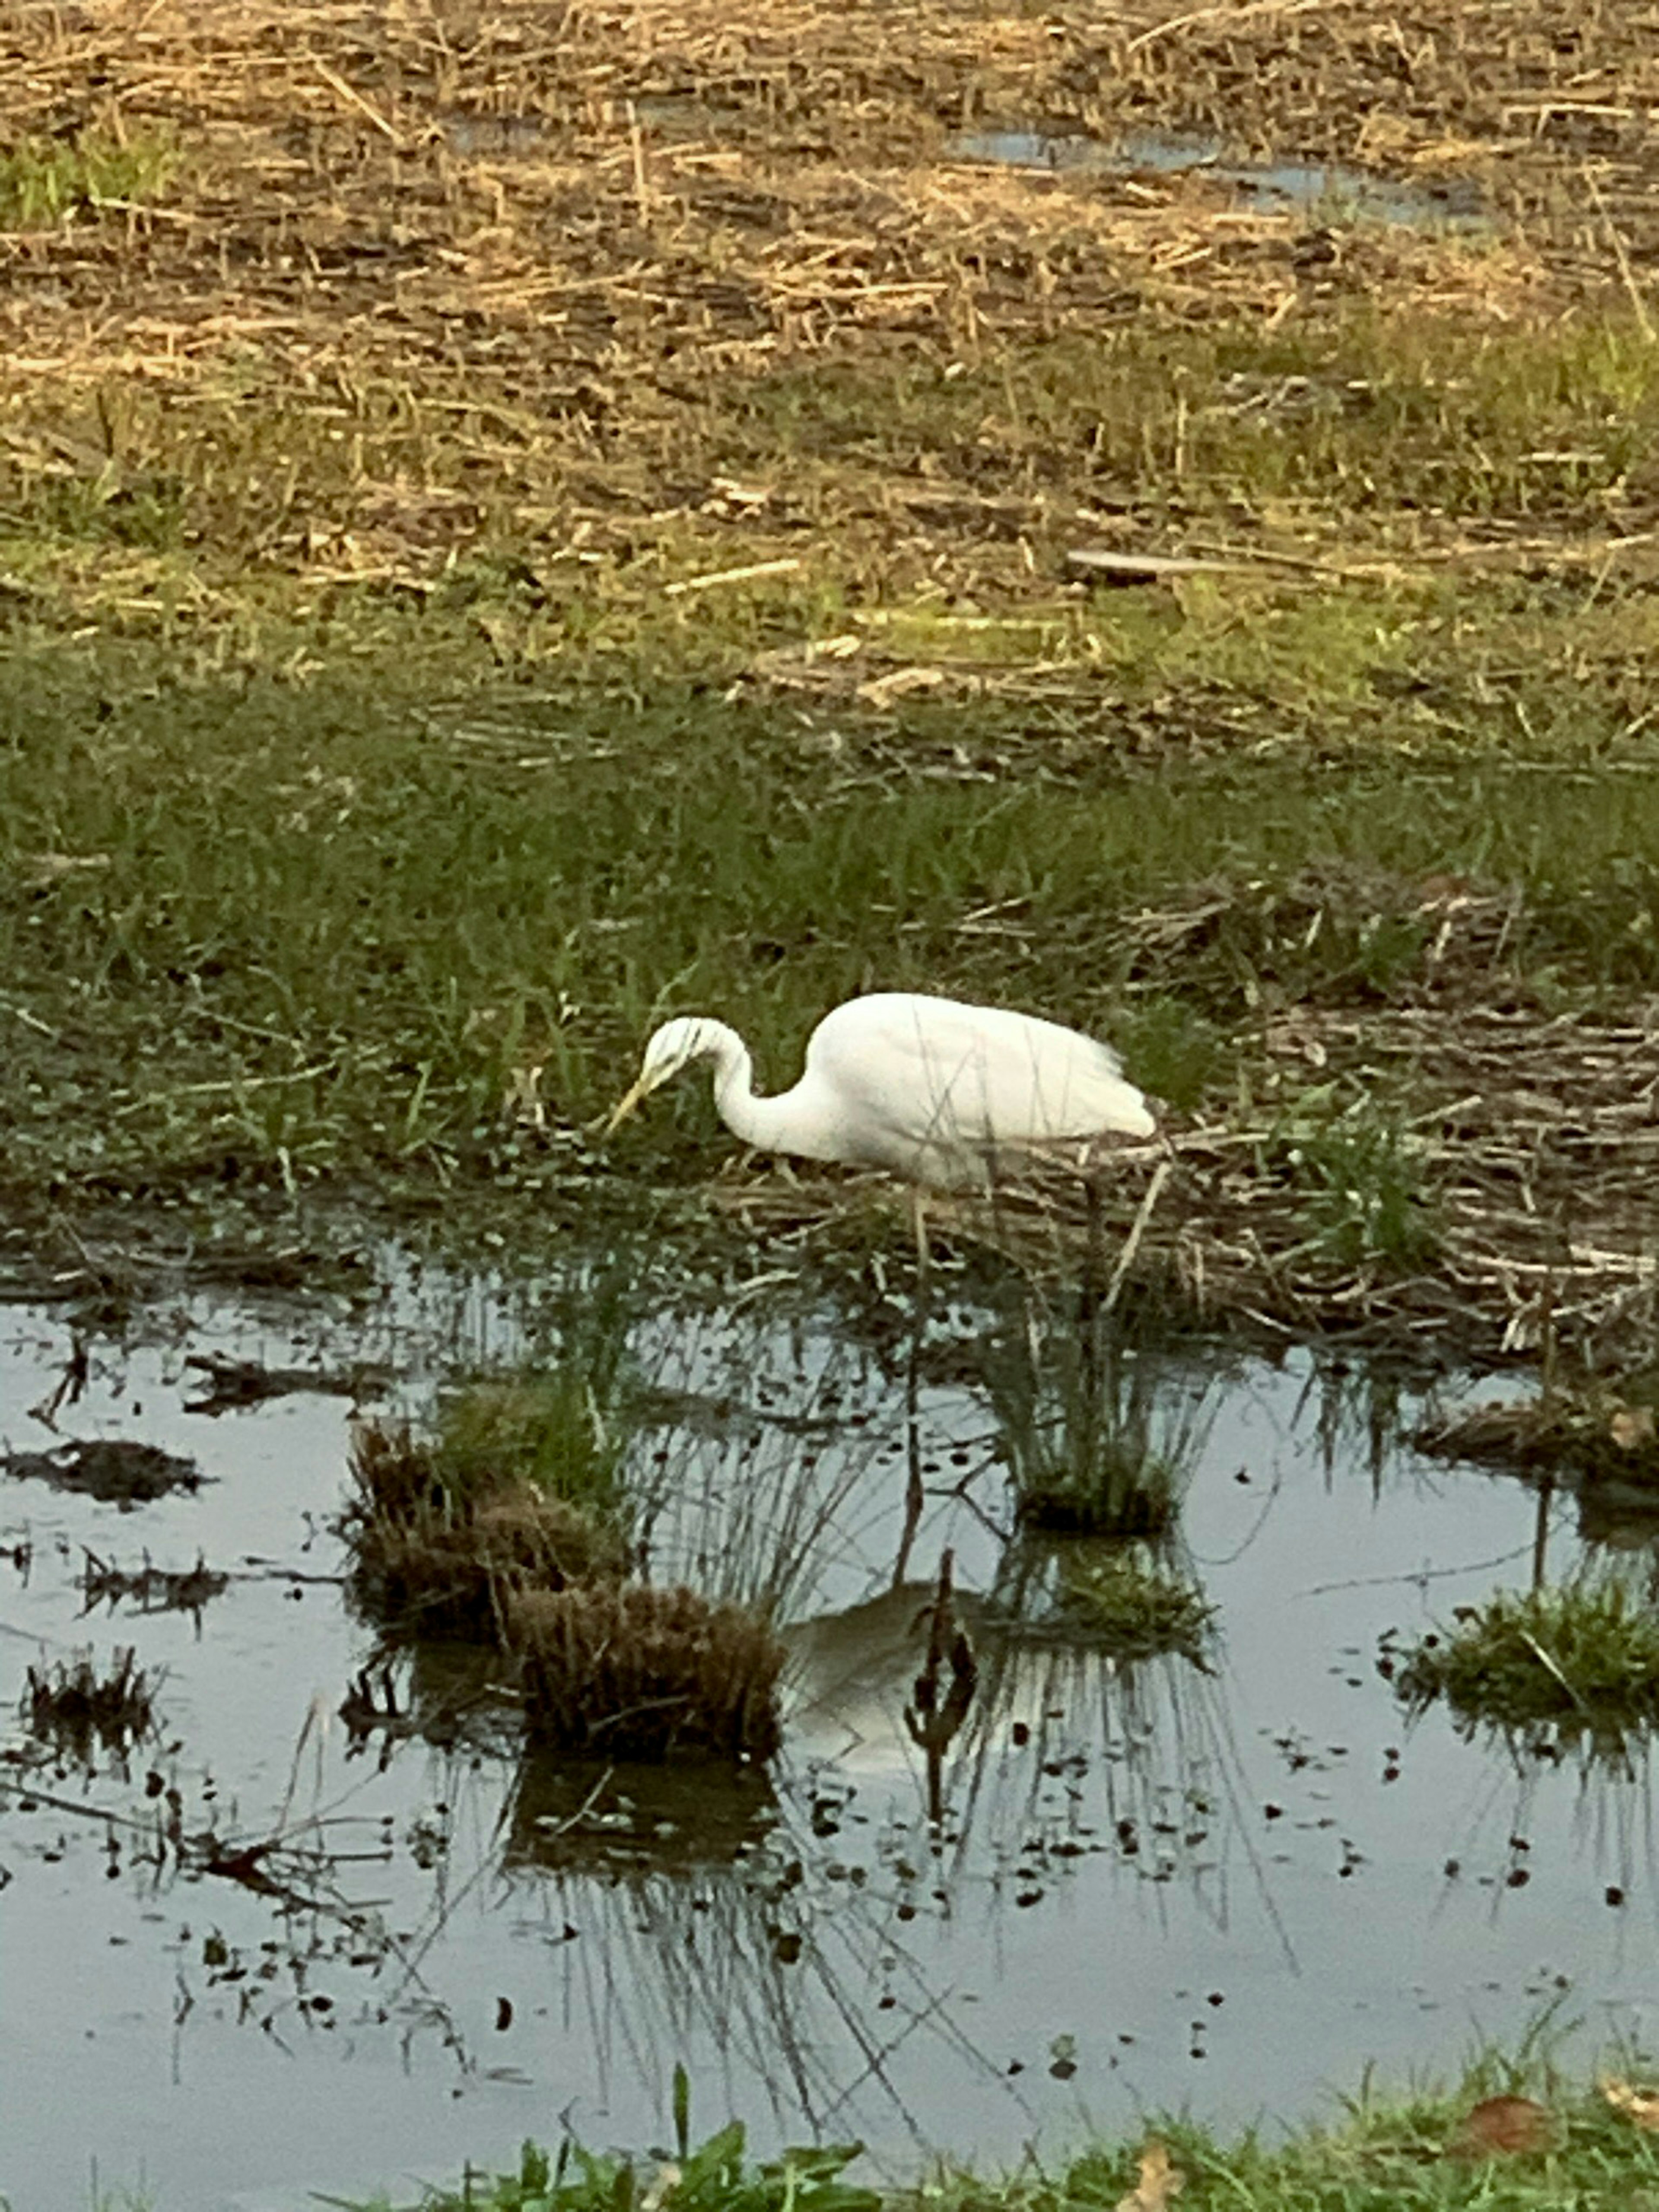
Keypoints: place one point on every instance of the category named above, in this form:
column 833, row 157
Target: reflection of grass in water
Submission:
column 77, row 1710
column 1101, row 1437
column 1130, row 1606
column 1072, row 1751
column 1581, row 1659
column 770, row 1957
column 614, row 1821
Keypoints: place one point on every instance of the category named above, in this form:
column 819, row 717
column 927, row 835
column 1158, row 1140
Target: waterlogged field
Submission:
column 1219, row 1862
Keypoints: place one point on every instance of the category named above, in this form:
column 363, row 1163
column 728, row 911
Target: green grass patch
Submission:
column 1483, row 2145
column 1366, row 1196
column 1363, row 409
column 1131, row 1606
column 1582, row 1659
column 259, row 930
column 44, row 179
column 716, row 2175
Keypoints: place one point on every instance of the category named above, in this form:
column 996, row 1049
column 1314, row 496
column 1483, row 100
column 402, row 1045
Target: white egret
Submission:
column 947, row 1094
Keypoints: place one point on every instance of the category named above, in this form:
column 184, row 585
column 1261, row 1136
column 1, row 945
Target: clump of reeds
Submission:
column 77, row 1710
column 1133, row 1608
column 1583, row 1658
column 624, row 1670
column 440, row 1547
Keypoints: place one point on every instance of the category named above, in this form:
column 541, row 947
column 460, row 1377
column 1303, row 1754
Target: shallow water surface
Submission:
column 1154, row 1883
column 1280, row 182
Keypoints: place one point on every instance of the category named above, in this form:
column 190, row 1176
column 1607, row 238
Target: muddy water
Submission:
column 1154, row 1883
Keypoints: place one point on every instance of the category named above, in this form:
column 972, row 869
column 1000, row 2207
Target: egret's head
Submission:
column 676, row 1045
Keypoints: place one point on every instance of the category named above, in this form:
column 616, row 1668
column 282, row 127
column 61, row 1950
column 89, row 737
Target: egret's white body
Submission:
column 944, row 1093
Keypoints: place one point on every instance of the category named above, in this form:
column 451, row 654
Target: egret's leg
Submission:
column 914, row 1491
column 918, row 1224
column 1091, row 1302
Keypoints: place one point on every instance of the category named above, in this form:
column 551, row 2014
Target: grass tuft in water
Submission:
column 1583, row 1658
column 1131, row 1606
column 438, row 1551
column 629, row 1671
column 561, row 1430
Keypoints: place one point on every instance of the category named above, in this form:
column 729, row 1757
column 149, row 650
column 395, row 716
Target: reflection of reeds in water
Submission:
column 578, row 1817
column 747, row 1470
column 77, row 1710
column 1100, row 1434
column 750, row 1943
column 1073, row 1753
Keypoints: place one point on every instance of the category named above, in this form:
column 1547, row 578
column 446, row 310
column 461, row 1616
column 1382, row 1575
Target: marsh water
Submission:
column 1229, row 1883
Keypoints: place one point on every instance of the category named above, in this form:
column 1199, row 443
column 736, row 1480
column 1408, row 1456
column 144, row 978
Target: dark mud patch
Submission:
column 230, row 1384
column 116, row 1470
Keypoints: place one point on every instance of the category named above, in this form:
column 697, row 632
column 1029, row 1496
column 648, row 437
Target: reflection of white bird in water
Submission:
column 944, row 1093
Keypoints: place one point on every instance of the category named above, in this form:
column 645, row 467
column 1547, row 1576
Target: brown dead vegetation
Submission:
column 622, row 1670
column 435, row 1557
column 500, row 272
column 1587, row 1439
column 614, row 1668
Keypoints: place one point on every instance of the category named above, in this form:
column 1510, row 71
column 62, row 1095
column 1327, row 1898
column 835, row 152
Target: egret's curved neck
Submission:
column 762, row 1122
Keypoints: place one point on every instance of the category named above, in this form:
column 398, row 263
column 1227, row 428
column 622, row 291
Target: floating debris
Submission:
column 113, row 1469
column 628, row 1671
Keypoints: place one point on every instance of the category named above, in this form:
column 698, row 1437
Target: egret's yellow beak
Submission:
column 626, row 1105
